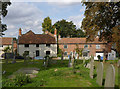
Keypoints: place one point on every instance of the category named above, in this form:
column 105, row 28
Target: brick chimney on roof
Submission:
column 20, row 32
column 55, row 32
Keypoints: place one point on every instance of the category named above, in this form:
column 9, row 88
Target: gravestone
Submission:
column 110, row 77
column 83, row 60
column 118, row 64
column 91, row 67
column 100, row 73
column 70, row 61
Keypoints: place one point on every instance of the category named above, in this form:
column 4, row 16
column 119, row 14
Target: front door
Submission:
column 37, row 53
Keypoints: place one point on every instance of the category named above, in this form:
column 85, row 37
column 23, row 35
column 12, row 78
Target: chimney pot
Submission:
column 20, row 32
column 55, row 32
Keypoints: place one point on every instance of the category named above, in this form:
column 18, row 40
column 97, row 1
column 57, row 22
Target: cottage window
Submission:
column 97, row 46
column 37, row 45
column 65, row 46
column 26, row 53
column 47, row 45
column 1, row 45
column 85, row 46
column 65, row 53
column 47, row 52
column 26, row 45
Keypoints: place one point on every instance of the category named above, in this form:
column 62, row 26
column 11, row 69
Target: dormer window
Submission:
column 26, row 45
column 47, row 45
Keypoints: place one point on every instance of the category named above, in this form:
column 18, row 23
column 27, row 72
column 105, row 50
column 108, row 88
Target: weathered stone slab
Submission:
column 110, row 76
column 100, row 73
column 118, row 64
column 91, row 67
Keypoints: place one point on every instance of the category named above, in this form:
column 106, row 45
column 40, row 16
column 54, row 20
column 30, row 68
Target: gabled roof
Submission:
column 78, row 41
column 32, row 38
column 6, row 40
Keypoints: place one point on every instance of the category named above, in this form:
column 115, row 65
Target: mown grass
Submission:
column 58, row 74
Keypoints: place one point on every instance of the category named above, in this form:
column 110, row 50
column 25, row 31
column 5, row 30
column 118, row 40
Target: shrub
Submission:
column 21, row 79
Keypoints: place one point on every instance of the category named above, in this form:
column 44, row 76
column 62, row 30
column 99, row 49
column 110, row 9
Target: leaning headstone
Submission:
column 118, row 64
column 110, row 77
column 100, row 73
column 91, row 67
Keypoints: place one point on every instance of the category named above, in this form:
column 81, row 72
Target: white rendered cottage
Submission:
column 37, row 44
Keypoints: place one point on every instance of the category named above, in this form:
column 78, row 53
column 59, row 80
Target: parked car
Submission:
column 38, row 58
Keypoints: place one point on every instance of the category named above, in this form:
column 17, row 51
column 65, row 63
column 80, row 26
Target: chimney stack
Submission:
column 20, row 32
column 55, row 32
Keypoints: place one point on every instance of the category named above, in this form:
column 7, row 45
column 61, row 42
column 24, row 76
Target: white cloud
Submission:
column 24, row 15
column 77, row 20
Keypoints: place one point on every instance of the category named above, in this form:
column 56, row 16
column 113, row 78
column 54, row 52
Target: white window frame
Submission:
column 97, row 46
column 64, row 46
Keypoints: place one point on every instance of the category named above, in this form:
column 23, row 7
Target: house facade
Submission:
column 37, row 44
column 95, row 48
column 5, row 42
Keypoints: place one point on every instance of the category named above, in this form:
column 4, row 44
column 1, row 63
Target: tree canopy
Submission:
column 47, row 24
column 102, row 17
column 67, row 29
column 3, row 12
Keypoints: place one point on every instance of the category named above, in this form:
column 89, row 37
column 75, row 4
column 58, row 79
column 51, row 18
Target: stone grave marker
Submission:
column 83, row 60
column 91, row 67
column 70, row 61
column 118, row 64
column 110, row 77
column 100, row 73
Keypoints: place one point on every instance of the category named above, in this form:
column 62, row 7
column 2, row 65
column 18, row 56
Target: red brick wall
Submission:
column 92, row 49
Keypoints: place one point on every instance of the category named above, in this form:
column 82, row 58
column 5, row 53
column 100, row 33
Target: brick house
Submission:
column 94, row 48
column 7, row 41
column 37, row 44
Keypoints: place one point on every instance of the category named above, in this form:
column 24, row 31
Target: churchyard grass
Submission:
column 58, row 74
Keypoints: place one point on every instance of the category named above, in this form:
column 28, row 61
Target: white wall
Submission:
column 42, row 49
column 112, row 55
column 101, row 54
column 1, row 48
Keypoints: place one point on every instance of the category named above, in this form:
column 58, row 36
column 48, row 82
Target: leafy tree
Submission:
column 64, row 28
column 7, row 49
column 78, row 33
column 79, row 50
column 3, row 12
column 102, row 17
column 47, row 24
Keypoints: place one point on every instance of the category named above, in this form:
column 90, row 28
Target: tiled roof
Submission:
column 32, row 38
column 78, row 40
column 6, row 40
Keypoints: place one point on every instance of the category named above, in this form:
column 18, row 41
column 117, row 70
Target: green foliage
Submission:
column 79, row 50
column 18, row 81
column 7, row 49
column 47, row 24
column 102, row 17
column 3, row 6
column 65, row 29
column 25, row 54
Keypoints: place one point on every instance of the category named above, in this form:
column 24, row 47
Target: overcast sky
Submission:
column 30, row 15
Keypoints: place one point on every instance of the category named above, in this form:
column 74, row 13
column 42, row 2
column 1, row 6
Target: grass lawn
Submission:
column 57, row 74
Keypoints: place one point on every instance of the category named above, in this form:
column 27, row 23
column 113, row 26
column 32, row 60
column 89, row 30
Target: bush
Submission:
column 21, row 79
column 18, row 81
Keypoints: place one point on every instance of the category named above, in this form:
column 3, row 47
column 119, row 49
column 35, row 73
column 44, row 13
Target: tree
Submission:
column 102, row 18
column 64, row 28
column 47, row 24
column 3, row 12
column 79, row 51
column 7, row 49
column 79, row 33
